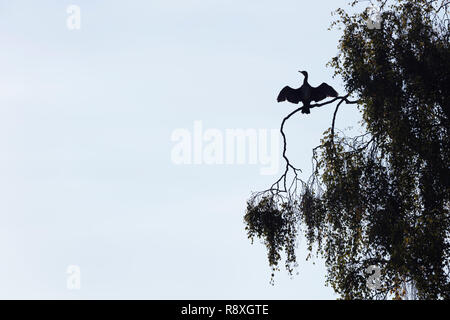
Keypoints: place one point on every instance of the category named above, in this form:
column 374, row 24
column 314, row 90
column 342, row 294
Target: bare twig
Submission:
column 282, row 181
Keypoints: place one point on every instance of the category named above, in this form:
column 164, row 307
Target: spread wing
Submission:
column 289, row 94
column 323, row 91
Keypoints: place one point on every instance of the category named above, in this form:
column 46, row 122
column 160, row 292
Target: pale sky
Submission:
column 86, row 117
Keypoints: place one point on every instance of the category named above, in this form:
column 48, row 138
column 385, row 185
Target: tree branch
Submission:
column 275, row 188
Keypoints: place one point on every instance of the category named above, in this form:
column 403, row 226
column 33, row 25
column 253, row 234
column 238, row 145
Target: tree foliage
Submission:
column 382, row 198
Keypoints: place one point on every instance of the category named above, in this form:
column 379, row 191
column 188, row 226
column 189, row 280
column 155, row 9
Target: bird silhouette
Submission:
column 306, row 93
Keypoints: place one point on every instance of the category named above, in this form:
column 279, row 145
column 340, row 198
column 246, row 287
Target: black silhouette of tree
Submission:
column 381, row 198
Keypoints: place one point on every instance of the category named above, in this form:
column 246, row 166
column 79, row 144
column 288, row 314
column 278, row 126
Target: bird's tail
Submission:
column 306, row 109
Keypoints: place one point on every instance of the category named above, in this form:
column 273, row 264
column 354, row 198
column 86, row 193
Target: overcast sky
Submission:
column 86, row 119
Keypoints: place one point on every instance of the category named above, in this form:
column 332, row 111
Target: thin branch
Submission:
column 275, row 188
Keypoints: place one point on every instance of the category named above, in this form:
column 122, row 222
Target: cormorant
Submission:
column 306, row 93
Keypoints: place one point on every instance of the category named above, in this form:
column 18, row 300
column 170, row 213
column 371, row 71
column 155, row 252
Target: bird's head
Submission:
column 304, row 73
